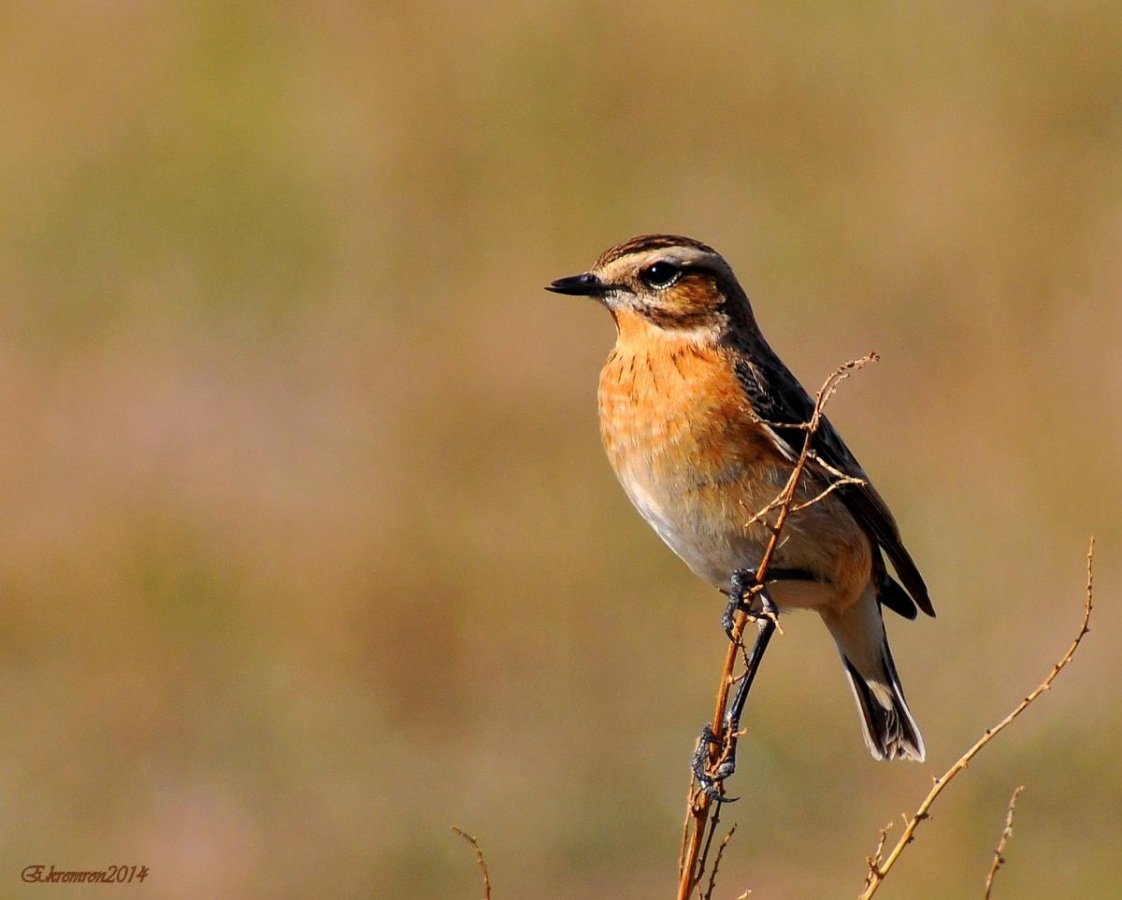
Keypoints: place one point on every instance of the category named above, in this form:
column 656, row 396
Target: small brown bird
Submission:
column 703, row 425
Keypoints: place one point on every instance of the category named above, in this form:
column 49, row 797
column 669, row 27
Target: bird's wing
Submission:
column 785, row 408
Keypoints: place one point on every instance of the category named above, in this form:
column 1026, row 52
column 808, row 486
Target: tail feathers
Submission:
column 890, row 730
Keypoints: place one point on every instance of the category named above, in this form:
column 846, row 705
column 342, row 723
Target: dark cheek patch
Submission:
column 691, row 303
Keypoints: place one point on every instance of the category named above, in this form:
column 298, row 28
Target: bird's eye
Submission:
column 660, row 275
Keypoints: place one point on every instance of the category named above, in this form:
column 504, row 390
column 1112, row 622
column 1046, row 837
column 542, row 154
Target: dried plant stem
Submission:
column 695, row 846
column 479, row 860
column 999, row 850
column 717, row 862
column 878, row 867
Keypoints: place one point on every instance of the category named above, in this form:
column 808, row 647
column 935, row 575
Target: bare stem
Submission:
column 999, row 850
column 482, row 863
column 878, row 870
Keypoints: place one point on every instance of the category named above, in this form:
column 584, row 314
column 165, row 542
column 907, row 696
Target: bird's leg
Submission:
column 766, row 625
column 711, row 773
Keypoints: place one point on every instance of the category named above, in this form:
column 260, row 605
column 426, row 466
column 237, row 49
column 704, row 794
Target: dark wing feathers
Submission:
column 780, row 400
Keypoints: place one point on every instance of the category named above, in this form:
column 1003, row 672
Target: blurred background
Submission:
column 308, row 547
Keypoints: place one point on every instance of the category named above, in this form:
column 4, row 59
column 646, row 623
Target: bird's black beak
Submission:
column 586, row 285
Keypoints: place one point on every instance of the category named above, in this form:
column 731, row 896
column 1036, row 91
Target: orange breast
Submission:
column 674, row 411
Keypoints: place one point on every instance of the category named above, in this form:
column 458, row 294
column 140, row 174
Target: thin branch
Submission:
column 717, row 864
column 829, row 489
column 999, row 850
column 710, row 833
column 875, row 860
column 692, row 859
column 479, row 860
column 878, row 871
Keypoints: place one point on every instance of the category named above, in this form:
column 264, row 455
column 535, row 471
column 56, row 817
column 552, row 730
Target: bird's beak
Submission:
column 586, row 285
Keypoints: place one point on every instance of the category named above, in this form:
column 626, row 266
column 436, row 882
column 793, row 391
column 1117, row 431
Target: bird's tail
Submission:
column 890, row 730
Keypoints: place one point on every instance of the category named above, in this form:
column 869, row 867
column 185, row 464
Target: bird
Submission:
column 703, row 425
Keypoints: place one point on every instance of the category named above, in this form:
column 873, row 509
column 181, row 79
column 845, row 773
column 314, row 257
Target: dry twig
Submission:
column 999, row 850
column 479, row 859
column 878, row 870
column 878, row 855
column 695, row 845
column 717, row 863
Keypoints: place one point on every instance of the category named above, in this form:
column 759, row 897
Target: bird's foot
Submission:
column 748, row 595
column 710, row 773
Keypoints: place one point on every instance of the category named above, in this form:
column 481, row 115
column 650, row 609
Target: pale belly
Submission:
column 711, row 528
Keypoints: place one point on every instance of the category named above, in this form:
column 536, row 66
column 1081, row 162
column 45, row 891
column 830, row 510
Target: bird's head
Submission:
column 663, row 283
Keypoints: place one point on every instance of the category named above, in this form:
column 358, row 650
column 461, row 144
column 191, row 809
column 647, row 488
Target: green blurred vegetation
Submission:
column 308, row 549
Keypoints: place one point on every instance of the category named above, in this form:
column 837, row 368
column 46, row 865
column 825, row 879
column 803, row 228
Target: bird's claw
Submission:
column 711, row 780
column 741, row 598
